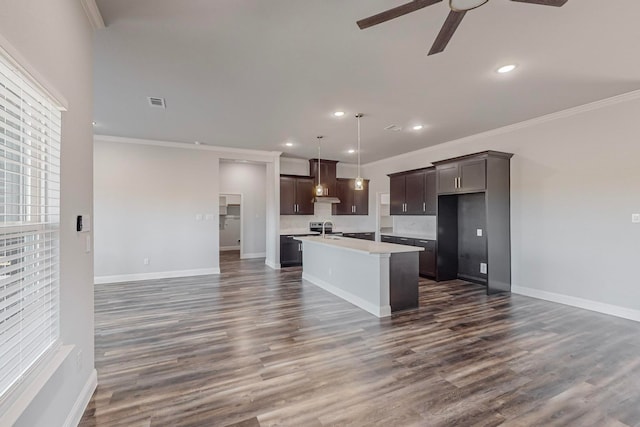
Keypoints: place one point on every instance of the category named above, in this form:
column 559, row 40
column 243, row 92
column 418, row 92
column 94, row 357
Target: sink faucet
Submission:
column 323, row 225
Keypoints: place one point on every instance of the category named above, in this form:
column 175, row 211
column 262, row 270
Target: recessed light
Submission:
column 351, row 151
column 507, row 68
column 418, row 127
column 339, row 113
column 94, row 123
column 197, row 142
column 289, row 144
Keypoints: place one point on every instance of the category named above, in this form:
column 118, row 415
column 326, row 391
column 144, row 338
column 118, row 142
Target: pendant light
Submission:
column 359, row 184
column 319, row 188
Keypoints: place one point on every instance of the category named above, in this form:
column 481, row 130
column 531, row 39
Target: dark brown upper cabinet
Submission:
column 413, row 192
column 352, row 201
column 327, row 171
column 462, row 176
column 296, row 194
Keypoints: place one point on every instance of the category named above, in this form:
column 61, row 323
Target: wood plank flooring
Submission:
column 256, row 347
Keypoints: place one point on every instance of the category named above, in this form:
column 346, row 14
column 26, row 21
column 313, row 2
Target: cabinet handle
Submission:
column 299, row 247
column 424, row 206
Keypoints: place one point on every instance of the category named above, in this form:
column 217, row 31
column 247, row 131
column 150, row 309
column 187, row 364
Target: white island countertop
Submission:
column 359, row 245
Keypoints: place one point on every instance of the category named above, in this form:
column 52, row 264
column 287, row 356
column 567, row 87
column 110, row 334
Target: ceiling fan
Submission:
column 458, row 9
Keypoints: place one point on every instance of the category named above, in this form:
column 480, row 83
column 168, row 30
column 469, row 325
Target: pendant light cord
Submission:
column 358, row 117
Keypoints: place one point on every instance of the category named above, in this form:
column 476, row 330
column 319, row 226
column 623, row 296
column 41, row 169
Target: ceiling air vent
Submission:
column 157, row 102
column 393, row 128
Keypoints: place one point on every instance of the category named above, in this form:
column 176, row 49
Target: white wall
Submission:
column 248, row 179
column 574, row 185
column 147, row 202
column 55, row 38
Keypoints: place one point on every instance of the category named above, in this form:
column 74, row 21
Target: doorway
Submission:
column 231, row 225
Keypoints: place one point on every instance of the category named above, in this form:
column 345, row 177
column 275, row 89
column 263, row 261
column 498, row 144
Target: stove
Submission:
column 316, row 227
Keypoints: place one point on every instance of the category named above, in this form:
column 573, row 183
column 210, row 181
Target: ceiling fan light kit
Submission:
column 464, row 5
column 458, row 9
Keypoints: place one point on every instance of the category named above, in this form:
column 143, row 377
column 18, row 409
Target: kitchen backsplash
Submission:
column 425, row 225
column 322, row 213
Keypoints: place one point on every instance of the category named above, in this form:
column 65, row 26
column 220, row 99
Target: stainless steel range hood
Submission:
column 325, row 199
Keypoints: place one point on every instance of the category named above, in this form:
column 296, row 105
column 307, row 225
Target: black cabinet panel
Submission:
column 304, row 196
column 447, row 178
column 287, row 196
column 290, row 251
column 427, row 266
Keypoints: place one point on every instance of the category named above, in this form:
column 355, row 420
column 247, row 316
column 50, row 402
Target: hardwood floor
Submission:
column 256, row 347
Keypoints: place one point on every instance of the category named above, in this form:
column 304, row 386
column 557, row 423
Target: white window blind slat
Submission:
column 30, row 129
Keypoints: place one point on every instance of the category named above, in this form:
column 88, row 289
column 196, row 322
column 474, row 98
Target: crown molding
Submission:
column 223, row 152
column 93, row 13
column 573, row 111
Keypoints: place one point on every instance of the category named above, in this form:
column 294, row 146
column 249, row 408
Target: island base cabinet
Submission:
column 403, row 281
column 290, row 252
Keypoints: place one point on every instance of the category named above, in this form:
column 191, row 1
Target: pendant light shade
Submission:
column 359, row 183
column 319, row 188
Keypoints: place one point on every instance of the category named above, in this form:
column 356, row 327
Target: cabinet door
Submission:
column 447, row 176
column 414, row 193
column 405, row 241
column 290, row 251
column 388, row 239
column 361, row 199
column 430, row 193
column 396, row 196
column 344, row 192
column 367, row 236
column 473, row 175
column 304, row 196
column 287, row 195
column 427, row 266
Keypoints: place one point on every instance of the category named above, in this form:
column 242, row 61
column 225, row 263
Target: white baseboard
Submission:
column 600, row 307
column 253, row 255
column 98, row 280
column 275, row 266
column 381, row 311
column 74, row 417
column 229, row 248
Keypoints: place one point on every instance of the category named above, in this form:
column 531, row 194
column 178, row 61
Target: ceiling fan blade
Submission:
column 390, row 14
column 446, row 32
column 556, row 3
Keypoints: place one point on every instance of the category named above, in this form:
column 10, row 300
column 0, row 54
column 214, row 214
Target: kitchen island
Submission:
column 378, row 277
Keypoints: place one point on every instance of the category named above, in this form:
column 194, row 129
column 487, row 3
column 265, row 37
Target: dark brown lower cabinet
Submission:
column 363, row 236
column 427, row 266
column 427, row 258
column 290, row 251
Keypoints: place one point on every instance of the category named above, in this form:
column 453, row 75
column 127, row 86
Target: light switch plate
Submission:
column 635, row 218
column 479, row 232
column 483, row 267
column 198, row 217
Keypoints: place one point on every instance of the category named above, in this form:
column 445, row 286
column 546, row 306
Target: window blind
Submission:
column 30, row 127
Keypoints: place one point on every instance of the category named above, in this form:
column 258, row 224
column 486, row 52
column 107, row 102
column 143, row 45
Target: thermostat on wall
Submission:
column 83, row 223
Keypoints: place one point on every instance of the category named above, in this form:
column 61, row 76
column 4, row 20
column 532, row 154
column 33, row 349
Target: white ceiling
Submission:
column 255, row 73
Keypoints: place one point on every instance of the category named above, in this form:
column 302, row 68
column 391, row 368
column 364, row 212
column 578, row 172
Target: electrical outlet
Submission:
column 145, row 261
column 208, row 217
column 198, row 217
column 479, row 232
column 483, row 268
column 635, row 218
